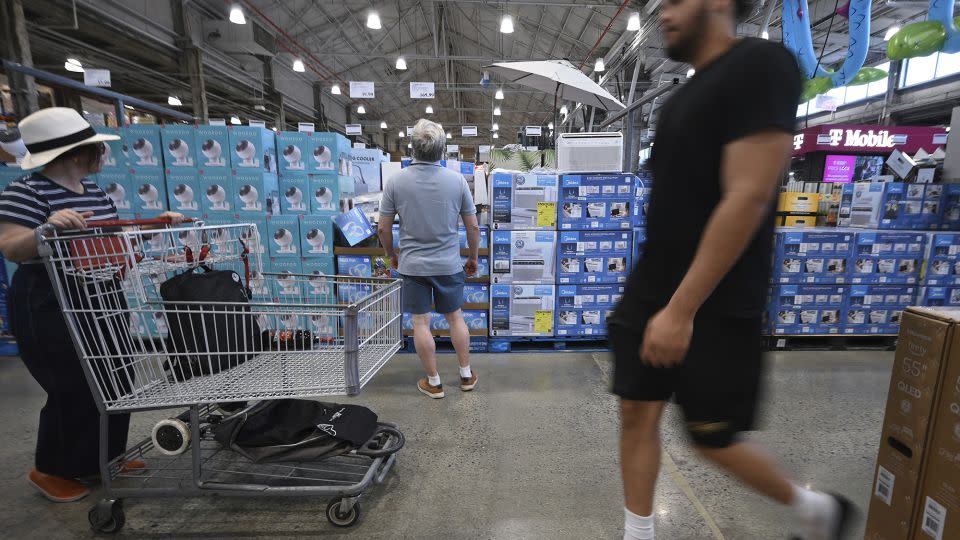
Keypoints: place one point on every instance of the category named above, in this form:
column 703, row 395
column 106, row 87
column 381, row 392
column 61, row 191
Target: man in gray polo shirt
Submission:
column 430, row 200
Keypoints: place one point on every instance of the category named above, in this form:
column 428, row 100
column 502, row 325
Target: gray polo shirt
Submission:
column 430, row 200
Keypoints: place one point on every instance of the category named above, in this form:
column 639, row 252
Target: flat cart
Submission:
column 319, row 336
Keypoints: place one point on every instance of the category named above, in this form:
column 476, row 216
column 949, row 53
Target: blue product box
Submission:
column 293, row 152
column 320, row 284
column 316, row 236
column 582, row 310
column 922, row 206
column 365, row 166
column 462, row 233
column 876, row 309
column 283, row 279
column 284, row 236
column 467, row 168
column 144, row 323
column 641, row 201
column 350, row 293
column 144, row 150
column 593, row 257
column 477, row 320
column 114, row 157
column 329, row 153
column 940, row 296
column 151, row 192
column 179, row 145
column 324, row 194
column 522, row 310
column 256, row 239
column 815, row 256
column 950, row 215
column 213, row 147
column 887, row 257
column 596, row 202
column 119, row 187
column 354, row 225
column 257, row 192
column 524, row 201
column 879, row 205
column 183, row 192
column 639, row 240
column 216, row 191
column 354, row 265
column 10, row 174
column 253, row 148
column 295, row 196
column 806, row 309
column 846, row 203
column 483, row 266
column 476, row 293
column 524, row 256
column 943, row 264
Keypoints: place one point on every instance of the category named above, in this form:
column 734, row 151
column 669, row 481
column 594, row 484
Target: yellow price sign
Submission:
column 543, row 322
column 546, row 214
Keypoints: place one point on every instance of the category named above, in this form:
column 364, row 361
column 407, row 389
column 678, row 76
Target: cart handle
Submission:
column 369, row 448
column 136, row 222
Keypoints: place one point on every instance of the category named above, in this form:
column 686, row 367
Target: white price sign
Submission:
column 305, row 127
column 361, row 89
column 353, row 129
column 409, row 131
column 533, row 131
column 422, row 90
column 484, row 149
column 96, row 77
column 453, row 148
column 257, row 123
column 217, row 122
column 468, row 131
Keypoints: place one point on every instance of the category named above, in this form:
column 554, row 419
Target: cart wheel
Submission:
column 171, row 436
column 342, row 519
column 107, row 516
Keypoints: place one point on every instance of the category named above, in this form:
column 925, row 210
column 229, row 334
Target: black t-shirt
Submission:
column 753, row 87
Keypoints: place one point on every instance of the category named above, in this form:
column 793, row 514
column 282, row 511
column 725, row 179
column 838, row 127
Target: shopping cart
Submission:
column 318, row 336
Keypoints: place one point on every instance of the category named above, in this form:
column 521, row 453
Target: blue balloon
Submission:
column 942, row 12
column 859, row 42
column 796, row 25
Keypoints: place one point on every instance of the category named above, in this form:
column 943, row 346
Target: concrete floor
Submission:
column 530, row 454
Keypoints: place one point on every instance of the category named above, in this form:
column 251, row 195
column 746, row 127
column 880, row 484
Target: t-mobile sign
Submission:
column 839, row 168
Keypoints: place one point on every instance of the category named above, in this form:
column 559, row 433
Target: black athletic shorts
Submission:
column 717, row 385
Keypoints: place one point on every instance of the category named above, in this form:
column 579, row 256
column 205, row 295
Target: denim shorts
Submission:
column 445, row 293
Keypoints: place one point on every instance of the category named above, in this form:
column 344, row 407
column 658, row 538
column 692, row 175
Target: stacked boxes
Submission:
column 252, row 149
column 943, row 264
column 922, row 206
column 641, row 201
column 806, row 309
column 876, row 309
column 593, row 257
column 119, row 187
column 216, row 191
column 144, row 149
column 256, row 193
column 950, row 215
column 213, row 147
column 183, row 192
column 583, row 309
column 179, row 146
column 150, row 192
column 887, row 257
column 524, row 201
column 147, row 182
column 526, row 257
column 815, row 257
column 895, row 205
column 522, row 310
column 596, row 202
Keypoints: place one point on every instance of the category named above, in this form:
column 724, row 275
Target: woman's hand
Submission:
column 175, row 218
column 69, row 219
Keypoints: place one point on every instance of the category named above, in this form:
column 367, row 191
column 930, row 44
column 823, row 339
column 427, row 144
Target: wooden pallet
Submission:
column 548, row 344
column 831, row 342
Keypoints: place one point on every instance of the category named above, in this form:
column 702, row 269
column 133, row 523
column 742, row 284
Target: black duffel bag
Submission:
column 219, row 333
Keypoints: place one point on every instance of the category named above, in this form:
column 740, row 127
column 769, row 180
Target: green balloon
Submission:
column 814, row 87
column 868, row 75
column 918, row 39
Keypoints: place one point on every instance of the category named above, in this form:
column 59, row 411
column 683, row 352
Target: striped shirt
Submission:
column 30, row 201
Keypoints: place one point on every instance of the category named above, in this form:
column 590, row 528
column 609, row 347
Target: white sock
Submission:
column 637, row 527
column 434, row 380
column 818, row 513
column 465, row 372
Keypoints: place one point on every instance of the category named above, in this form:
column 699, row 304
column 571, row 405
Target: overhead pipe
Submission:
column 605, row 30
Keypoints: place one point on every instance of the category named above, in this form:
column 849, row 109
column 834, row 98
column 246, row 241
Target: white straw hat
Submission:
column 50, row 132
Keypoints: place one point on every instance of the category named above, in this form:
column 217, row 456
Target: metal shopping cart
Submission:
column 318, row 336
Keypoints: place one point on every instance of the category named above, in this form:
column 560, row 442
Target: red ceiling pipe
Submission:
column 599, row 39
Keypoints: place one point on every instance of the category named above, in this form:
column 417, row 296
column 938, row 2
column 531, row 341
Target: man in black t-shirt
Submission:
column 689, row 325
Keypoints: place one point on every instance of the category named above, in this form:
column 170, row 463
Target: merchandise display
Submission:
column 284, row 235
column 524, row 257
column 183, row 192
column 256, row 192
column 213, row 147
column 522, row 201
column 144, row 150
column 594, row 257
column 252, row 148
column 591, row 202
column 582, row 310
column 151, row 192
column 179, row 145
column 522, row 310
column 217, row 191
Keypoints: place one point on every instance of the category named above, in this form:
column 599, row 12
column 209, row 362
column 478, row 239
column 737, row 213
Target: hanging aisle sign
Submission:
column 96, row 77
column 484, row 149
column 422, row 90
column 361, row 90
column 353, row 129
column 305, row 127
column 468, row 131
column 533, row 131
column 453, row 148
column 257, row 123
column 217, row 121
column 409, row 131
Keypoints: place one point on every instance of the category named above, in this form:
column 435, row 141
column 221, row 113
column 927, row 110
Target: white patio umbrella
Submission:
column 560, row 78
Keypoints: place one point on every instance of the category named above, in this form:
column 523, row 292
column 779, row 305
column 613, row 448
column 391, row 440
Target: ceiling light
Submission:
column 298, row 66
column 496, row 135
column 496, row 111
column 409, row 145
column 361, row 109
column 383, row 125
column 563, row 110
column 274, row 128
column 74, row 65
column 598, row 67
column 550, row 125
column 506, row 25
column 429, row 109
column 174, row 100
column 892, row 31
column 236, row 15
column 401, row 134
column 633, row 23
column 335, row 89
column 765, row 34
column 496, row 127
column 373, row 21
column 691, row 72
column 235, row 120
column 499, row 94
column 401, row 63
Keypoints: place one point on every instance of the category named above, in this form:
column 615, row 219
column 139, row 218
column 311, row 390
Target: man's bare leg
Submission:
column 423, row 340
column 460, row 336
column 639, row 463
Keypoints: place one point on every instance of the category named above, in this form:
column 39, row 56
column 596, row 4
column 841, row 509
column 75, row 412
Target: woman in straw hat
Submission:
column 68, row 149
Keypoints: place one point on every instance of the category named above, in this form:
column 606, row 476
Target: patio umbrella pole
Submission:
column 556, row 118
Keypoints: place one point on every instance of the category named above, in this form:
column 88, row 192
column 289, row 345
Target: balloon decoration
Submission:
column 936, row 34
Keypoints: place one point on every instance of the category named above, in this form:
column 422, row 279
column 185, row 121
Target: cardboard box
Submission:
column 522, row 310
column 213, row 147
column 596, row 202
column 476, row 293
column 293, row 152
column 366, row 170
column 923, row 206
column 183, row 192
column 256, row 192
column 806, row 309
column 804, row 220
column 355, row 265
column 320, row 285
column 118, row 186
column 329, row 153
column 927, row 344
column 179, row 145
column 846, row 205
column 816, row 256
column 887, row 257
column 283, row 280
column 151, row 192
column 462, row 233
column 114, row 156
column 879, row 205
column 354, row 226
column 804, row 203
column 284, row 235
column 324, row 193
column 943, row 263
column 524, row 257
column 593, row 257
column 144, row 150
column 582, row 310
column 316, row 236
column 252, row 148
column 876, row 309
column 255, row 238
column 950, row 216
column 524, row 201
column 295, row 194
column 940, row 296
column 217, row 191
